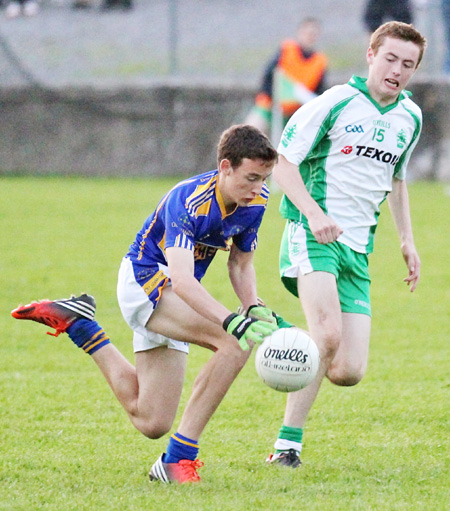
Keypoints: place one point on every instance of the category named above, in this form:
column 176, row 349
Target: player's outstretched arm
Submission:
column 243, row 280
column 398, row 201
column 242, row 276
column 187, row 287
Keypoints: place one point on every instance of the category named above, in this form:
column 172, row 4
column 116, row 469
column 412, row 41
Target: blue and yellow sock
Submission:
column 180, row 448
column 289, row 438
column 88, row 335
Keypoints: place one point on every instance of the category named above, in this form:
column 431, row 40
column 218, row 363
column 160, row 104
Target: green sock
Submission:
column 289, row 438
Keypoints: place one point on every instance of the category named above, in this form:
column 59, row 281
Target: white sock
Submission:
column 284, row 445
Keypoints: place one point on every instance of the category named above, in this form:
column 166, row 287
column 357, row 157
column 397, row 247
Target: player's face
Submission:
column 391, row 68
column 240, row 185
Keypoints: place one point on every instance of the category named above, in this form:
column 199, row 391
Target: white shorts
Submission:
column 136, row 309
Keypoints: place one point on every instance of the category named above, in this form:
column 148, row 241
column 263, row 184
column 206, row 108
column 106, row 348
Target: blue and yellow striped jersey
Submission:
column 192, row 215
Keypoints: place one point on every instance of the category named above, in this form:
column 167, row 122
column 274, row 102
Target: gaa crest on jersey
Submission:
column 354, row 128
column 288, row 134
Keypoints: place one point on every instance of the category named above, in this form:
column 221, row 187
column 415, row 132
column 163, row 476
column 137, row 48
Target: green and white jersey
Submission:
column 348, row 149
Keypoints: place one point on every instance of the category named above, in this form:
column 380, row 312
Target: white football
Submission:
column 287, row 360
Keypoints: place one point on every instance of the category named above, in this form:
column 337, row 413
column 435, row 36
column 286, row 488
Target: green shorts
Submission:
column 300, row 251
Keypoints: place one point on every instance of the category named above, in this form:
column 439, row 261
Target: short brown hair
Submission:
column 244, row 141
column 398, row 30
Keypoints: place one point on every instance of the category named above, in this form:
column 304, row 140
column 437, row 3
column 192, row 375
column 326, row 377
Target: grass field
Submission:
column 67, row 445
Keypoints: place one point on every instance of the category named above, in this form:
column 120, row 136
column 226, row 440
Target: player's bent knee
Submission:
column 153, row 429
column 345, row 377
column 154, row 432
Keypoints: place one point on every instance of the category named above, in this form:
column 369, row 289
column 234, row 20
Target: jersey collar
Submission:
column 360, row 83
column 220, row 201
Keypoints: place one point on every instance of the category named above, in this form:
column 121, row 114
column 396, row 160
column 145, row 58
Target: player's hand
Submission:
column 412, row 261
column 247, row 329
column 261, row 313
column 324, row 228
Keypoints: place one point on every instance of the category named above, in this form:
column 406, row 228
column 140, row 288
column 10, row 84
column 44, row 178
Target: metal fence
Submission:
column 204, row 40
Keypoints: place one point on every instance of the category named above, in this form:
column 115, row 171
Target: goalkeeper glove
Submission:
column 245, row 329
column 262, row 313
